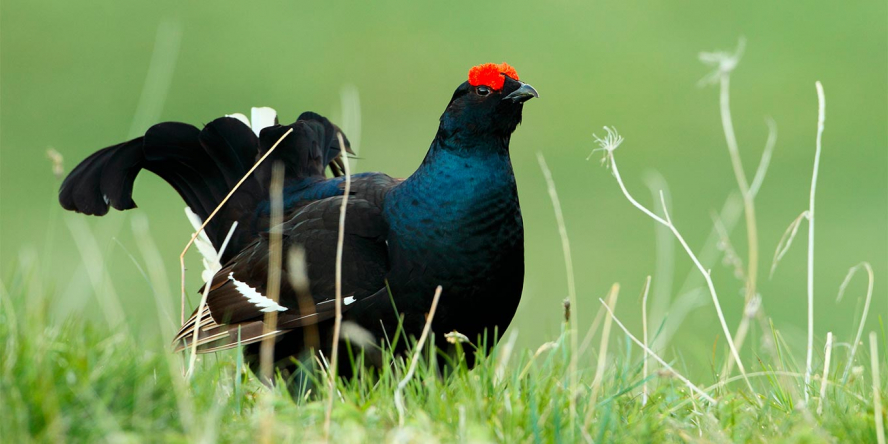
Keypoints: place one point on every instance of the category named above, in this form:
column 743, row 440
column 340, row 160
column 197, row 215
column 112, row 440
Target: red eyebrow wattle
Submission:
column 491, row 75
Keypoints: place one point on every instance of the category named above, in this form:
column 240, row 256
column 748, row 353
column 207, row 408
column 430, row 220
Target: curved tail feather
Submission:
column 203, row 166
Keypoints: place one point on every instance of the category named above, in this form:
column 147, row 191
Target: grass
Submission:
column 76, row 380
column 71, row 380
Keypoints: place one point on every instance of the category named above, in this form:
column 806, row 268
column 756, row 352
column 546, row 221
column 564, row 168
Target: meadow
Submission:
column 89, row 304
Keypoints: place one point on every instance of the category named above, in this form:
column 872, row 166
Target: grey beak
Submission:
column 522, row 94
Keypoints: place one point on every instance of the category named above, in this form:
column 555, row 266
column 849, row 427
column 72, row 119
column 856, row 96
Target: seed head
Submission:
column 608, row 143
column 57, row 162
column 724, row 62
column 455, row 337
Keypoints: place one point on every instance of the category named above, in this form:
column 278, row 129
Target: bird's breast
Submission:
column 459, row 226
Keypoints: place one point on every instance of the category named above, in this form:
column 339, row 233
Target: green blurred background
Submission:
column 79, row 76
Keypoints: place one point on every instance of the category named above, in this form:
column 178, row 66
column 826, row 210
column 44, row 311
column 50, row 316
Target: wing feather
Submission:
column 237, row 300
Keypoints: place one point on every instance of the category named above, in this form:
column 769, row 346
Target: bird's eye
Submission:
column 482, row 90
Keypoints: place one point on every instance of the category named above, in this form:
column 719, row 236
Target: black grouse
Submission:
column 455, row 222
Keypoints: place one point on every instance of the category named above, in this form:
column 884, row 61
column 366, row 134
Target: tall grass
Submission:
column 68, row 379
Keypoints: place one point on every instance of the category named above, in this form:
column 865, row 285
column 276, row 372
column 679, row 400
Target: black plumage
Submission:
column 203, row 166
column 456, row 222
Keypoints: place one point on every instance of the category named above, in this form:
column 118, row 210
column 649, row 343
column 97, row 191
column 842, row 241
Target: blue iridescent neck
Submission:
column 460, row 165
column 457, row 215
column 454, row 181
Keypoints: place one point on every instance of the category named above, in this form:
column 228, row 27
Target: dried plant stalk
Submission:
column 399, row 391
column 213, row 214
column 337, row 320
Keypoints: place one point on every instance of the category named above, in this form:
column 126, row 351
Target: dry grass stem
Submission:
column 350, row 121
column 505, row 354
column 821, row 116
column 644, row 325
column 103, row 286
column 590, row 333
column 602, row 353
column 650, row 352
column 877, row 388
column 571, row 285
column 825, row 377
column 786, row 240
column 750, row 311
column 275, row 260
column 765, row 374
column 192, row 360
column 711, row 285
column 200, row 307
column 298, row 276
column 731, row 258
column 765, row 161
column 616, row 172
column 546, row 346
column 705, row 273
column 273, row 290
column 337, row 320
column 687, row 299
column 745, row 192
column 155, row 90
column 726, row 63
column 866, row 307
column 664, row 262
column 212, row 215
column 399, row 391
column 156, row 271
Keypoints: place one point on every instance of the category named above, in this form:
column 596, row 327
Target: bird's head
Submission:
column 489, row 103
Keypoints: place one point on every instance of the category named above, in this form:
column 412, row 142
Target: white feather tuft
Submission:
column 210, row 256
column 255, row 297
column 262, row 118
column 240, row 117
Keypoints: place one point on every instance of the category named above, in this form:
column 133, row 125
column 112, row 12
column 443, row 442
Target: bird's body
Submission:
column 456, row 222
column 461, row 228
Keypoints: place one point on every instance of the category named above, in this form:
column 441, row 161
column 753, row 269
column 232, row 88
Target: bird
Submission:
column 455, row 223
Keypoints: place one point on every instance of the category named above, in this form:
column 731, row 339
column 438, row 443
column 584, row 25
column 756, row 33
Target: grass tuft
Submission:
column 73, row 380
